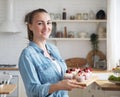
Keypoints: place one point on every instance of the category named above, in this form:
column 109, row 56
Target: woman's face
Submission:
column 41, row 26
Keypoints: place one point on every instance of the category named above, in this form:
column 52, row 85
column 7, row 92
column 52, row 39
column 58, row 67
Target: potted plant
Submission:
column 94, row 42
column 95, row 58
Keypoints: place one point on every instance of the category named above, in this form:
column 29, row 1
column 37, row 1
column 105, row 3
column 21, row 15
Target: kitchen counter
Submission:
column 103, row 81
column 107, row 85
column 7, row 89
column 9, row 68
column 103, row 84
column 16, row 68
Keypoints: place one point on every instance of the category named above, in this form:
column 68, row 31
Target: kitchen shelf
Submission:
column 82, row 21
column 61, row 39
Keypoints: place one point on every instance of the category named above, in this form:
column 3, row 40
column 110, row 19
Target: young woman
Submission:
column 40, row 64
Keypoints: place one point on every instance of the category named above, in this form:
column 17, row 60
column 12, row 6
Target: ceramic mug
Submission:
column 82, row 34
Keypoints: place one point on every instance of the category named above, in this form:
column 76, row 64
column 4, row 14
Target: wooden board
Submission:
column 88, row 82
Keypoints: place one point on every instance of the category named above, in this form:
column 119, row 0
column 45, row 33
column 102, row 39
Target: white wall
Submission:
column 12, row 44
column 113, row 44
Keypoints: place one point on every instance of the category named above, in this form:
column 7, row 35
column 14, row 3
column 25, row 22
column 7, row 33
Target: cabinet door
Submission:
column 112, row 93
column 99, row 93
column 76, row 93
column 93, row 91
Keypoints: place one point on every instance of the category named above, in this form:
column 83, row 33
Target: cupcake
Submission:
column 80, row 77
column 68, row 74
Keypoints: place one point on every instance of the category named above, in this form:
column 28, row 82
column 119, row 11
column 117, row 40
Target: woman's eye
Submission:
column 49, row 23
column 40, row 23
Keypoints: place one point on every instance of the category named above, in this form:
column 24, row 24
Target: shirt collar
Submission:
column 37, row 48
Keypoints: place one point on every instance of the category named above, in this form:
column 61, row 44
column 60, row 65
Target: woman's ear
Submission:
column 30, row 26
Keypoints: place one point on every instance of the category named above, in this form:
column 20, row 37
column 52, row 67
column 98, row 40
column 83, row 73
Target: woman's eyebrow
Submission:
column 44, row 21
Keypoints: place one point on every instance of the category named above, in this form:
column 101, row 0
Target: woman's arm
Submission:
column 33, row 86
column 64, row 85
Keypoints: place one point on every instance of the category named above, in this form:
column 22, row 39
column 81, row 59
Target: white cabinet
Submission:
column 75, row 93
column 14, row 80
column 112, row 94
column 90, row 91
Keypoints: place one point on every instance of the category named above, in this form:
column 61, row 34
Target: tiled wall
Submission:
column 12, row 44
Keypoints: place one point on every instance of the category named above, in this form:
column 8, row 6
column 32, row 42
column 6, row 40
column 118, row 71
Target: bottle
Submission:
column 64, row 14
column 65, row 32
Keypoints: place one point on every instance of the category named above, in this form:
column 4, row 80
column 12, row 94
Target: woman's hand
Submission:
column 65, row 84
column 69, row 85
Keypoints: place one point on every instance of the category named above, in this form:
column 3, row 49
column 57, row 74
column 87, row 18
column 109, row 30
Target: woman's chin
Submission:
column 45, row 37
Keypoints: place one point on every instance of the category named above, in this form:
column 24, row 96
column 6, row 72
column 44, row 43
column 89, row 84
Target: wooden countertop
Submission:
column 107, row 85
column 103, row 84
column 101, row 71
column 7, row 89
column 16, row 68
column 7, row 68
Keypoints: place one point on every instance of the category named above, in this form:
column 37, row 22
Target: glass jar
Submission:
column 91, row 15
column 79, row 16
column 85, row 16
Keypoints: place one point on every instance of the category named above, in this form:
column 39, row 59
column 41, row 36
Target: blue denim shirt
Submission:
column 38, row 72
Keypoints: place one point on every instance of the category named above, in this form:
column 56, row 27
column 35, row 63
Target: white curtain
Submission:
column 113, row 33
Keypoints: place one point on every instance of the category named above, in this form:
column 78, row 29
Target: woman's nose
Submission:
column 45, row 26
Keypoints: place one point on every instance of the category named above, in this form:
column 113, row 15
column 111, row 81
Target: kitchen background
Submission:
column 11, row 45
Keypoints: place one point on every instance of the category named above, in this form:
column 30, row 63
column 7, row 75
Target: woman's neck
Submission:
column 42, row 44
